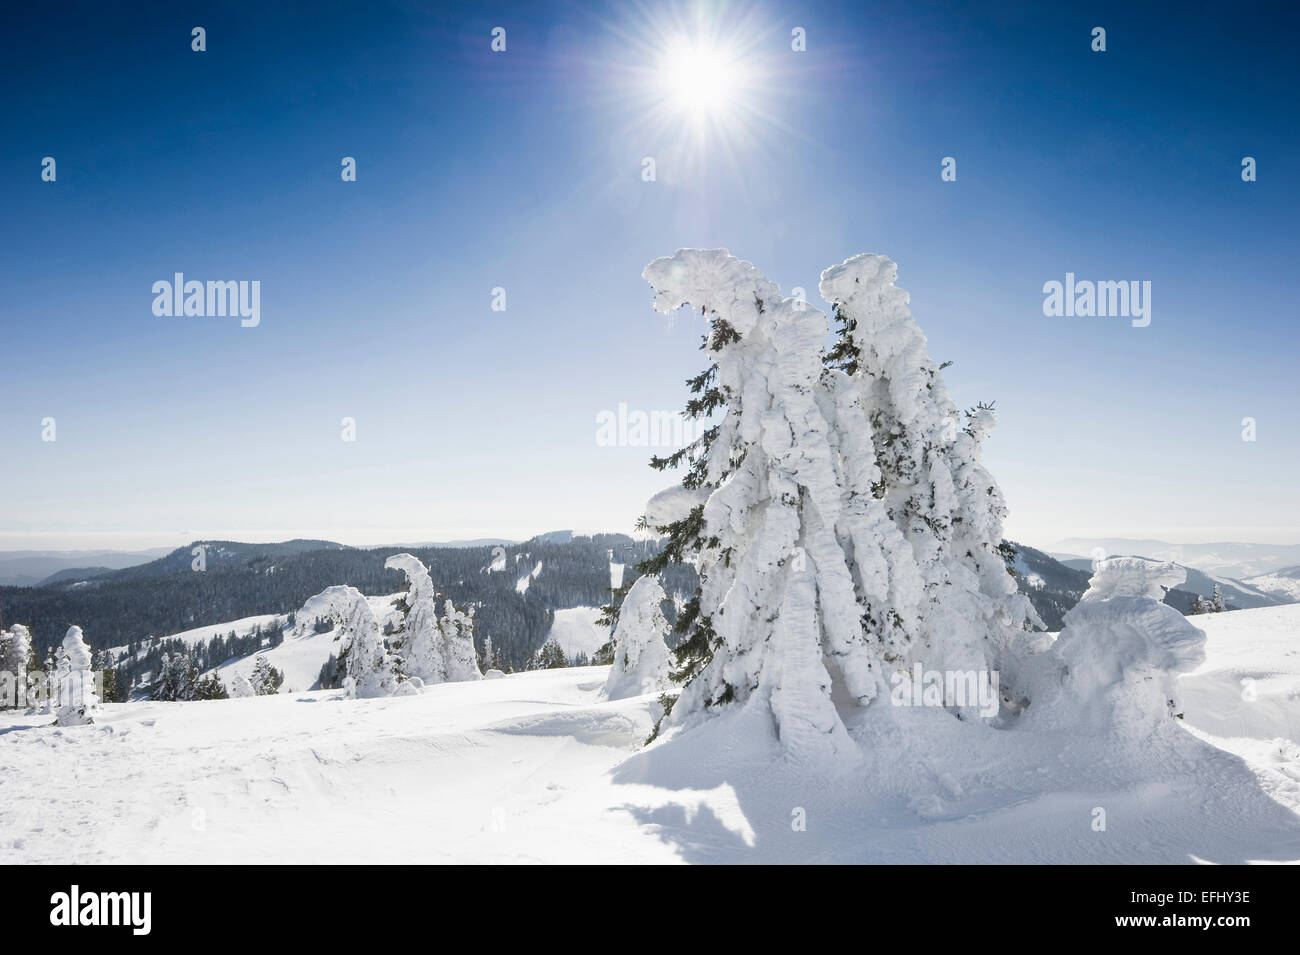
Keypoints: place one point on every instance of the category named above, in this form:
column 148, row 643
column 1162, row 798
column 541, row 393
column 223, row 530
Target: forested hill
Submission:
column 168, row 595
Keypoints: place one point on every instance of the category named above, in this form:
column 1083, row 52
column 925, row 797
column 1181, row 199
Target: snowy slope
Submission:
column 535, row 767
column 521, row 585
column 1283, row 584
column 201, row 635
column 303, row 651
column 1249, row 685
column 576, row 631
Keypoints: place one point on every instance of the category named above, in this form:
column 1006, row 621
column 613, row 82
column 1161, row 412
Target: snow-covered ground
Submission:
column 536, row 767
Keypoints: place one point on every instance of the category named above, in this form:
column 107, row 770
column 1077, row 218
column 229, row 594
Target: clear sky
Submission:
column 523, row 170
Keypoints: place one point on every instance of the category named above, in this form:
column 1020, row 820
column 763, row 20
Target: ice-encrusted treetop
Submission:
column 1133, row 577
column 713, row 280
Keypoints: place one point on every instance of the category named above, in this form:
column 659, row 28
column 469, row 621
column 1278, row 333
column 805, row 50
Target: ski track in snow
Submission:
column 536, row 767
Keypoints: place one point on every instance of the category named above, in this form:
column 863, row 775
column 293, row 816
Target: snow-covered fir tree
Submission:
column 549, row 656
column 16, row 658
column 837, row 512
column 1211, row 604
column 433, row 649
column 51, row 667
column 908, row 452
column 641, row 662
column 368, row 668
column 419, row 641
column 241, row 687
column 265, row 680
column 77, row 698
column 757, row 511
column 457, row 628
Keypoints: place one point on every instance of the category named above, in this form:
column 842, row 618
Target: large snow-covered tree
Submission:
column 758, row 511
column 368, row 668
column 77, row 697
column 434, row 649
column 419, row 642
column 641, row 662
column 908, row 448
column 835, row 507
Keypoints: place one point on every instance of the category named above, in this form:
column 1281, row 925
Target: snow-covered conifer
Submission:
column 435, row 649
column 77, row 698
column 457, row 628
column 758, row 511
column 549, row 656
column 241, row 687
column 419, row 643
column 910, row 454
column 265, row 679
column 837, row 512
column 641, row 662
column 16, row 659
column 369, row 669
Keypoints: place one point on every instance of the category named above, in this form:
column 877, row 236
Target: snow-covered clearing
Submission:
column 576, row 631
column 536, row 767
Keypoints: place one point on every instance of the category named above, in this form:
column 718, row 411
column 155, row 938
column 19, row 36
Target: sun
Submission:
column 700, row 78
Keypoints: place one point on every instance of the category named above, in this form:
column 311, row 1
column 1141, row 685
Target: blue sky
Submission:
column 523, row 170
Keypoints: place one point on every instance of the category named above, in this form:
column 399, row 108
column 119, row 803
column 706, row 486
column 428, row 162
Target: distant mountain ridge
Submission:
column 31, row 568
column 1224, row 558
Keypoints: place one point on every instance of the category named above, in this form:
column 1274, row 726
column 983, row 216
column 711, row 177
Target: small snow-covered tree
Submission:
column 210, row 687
column 241, row 687
column 368, row 667
column 177, row 678
column 457, row 628
column 265, row 679
column 641, row 661
column 51, row 666
column 1216, row 602
column 550, row 656
column 77, row 698
column 16, row 658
